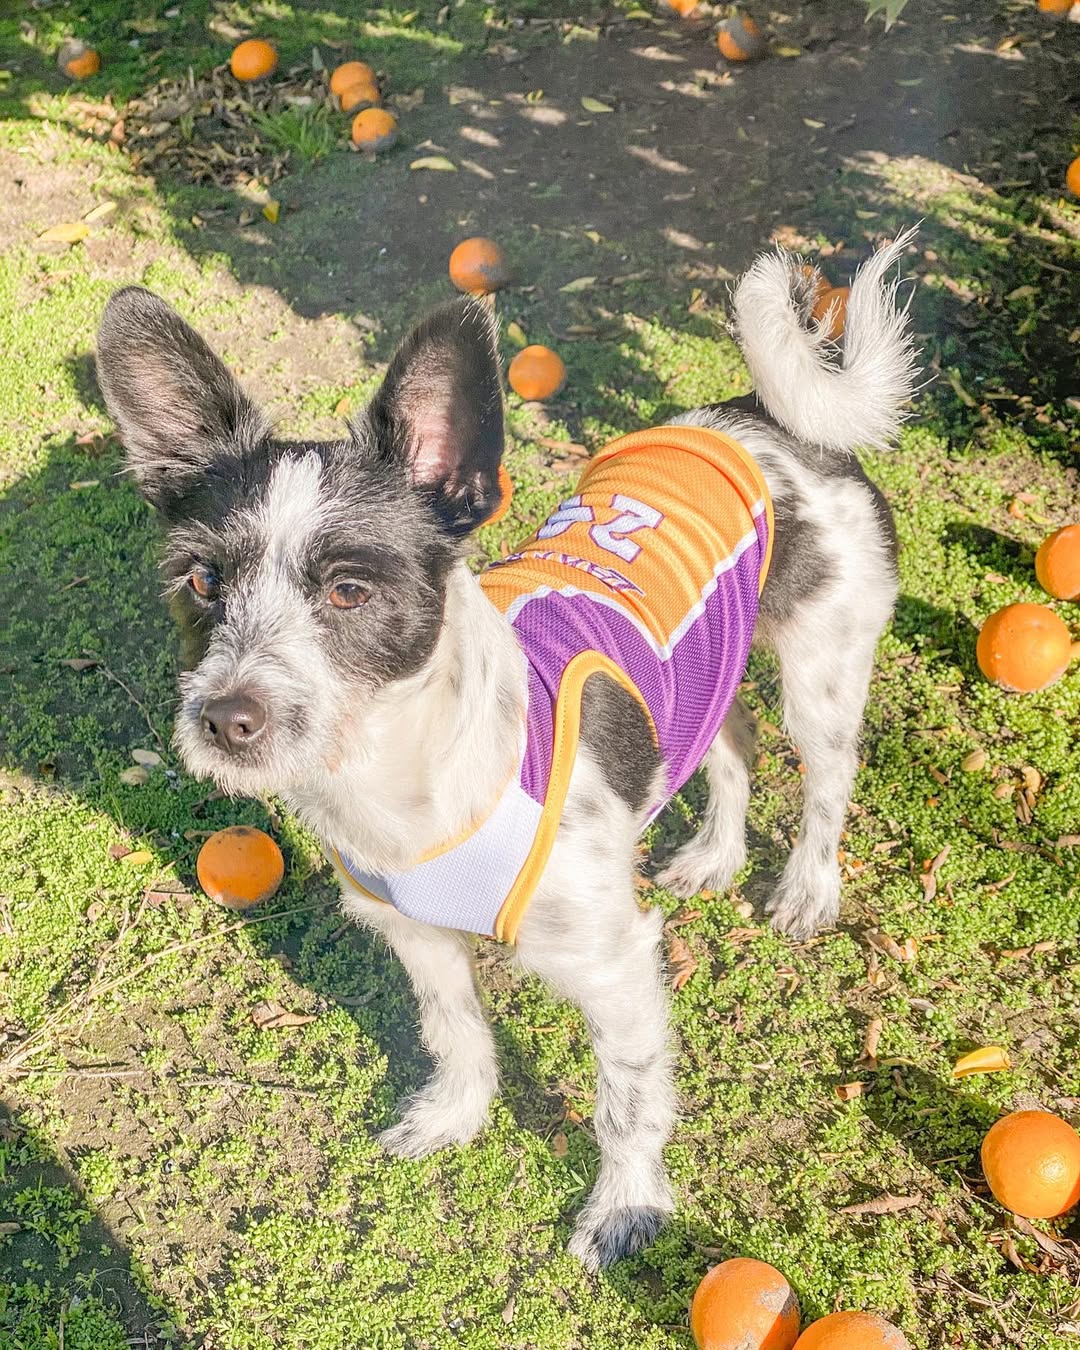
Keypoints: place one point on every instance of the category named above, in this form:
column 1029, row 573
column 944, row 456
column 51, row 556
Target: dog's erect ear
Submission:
column 173, row 400
column 439, row 412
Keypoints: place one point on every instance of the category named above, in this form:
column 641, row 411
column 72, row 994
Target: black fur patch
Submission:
column 622, row 1232
column 616, row 730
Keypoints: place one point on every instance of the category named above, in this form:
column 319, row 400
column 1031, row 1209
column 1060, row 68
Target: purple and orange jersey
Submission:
column 649, row 573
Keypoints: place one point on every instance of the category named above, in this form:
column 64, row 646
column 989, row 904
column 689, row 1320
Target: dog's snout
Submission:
column 233, row 723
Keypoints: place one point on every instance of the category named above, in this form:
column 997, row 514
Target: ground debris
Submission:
column 884, row 1204
column 271, row 1016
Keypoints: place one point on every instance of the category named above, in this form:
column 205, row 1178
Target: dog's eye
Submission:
column 204, row 583
column 349, row 595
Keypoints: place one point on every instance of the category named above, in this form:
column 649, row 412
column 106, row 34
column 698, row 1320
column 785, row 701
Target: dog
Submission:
column 340, row 654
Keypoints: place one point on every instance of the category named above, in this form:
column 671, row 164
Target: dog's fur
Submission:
column 388, row 726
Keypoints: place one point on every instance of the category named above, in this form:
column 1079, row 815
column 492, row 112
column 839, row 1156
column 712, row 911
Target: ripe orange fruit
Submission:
column 253, row 59
column 852, row 1331
column 536, row 372
column 506, row 492
column 352, row 72
column 1032, row 1161
column 77, row 60
column 362, row 94
column 240, row 867
column 740, row 39
column 374, row 129
column 1055, row 6
column 744, row 1304
column 832, row 295
column 1072, row 178
column 682, row 7
column 1023, row 648
column 1057, row 563
column 479, row 266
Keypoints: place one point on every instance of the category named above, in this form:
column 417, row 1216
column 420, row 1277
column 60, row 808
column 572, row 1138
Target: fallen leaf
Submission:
column 987, row 1059
column 9, row 1227
column 560, row 1146
column 974, row 762
column 787, row 51
column 409, row 102
column 868, row 1058
column 150, row 758
column 271, row 1016
column 884, row 1204
column 810, row 122
column 81, row 483
column 136, row 776
column 849, row 1091
column 80, row 662
column 68, row 233
column 342, row 406
column 138, row 858
column 507, row 1313
column 271, row 211
column 579, row 284
column 94, row 911
column 882, row 942
column 438, row 162
column 682, row 962
column 516, row 334
column 594, row 105
column 99, row 212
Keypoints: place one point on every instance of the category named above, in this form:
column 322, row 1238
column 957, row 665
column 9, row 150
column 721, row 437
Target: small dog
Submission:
column 341, row 655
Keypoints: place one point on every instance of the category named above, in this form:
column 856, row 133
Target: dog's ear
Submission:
column 439, row 413
column 173, row 400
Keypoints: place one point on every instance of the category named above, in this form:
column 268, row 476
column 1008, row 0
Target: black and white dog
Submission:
column 340, row 654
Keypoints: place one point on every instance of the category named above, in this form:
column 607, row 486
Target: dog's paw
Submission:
column 431, row 1119
column 603, row 1235
column 805, row 902
column 702, row 865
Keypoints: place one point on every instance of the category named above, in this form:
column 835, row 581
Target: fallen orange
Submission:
column 1055, row 6
column 77, row 60
column 253, row 59
column 1072, row 177
column 374, row 129
column 479, row 265
column 827, row 298
column 352, row 72
column 506, row 492
column 740, row 39
column 1032, row 1161
column 536, row 372
column 852, row 1331
column 362, row 94
column 1057, row 563
column 744, row 1304
column 240, row 867
column 1023, row 648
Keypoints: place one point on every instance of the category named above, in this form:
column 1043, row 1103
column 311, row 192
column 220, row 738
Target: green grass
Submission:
column 170, row 1166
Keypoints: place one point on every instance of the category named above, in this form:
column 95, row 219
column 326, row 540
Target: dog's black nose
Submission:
column 233, row 723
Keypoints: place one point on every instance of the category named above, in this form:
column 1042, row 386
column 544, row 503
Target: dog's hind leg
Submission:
column 718, row 850
column 453, row 1105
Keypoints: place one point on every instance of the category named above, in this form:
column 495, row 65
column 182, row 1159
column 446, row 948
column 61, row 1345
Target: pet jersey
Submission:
column 649, row 573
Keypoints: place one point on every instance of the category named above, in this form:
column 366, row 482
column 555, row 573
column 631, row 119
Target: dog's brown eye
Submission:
column 349, row 595
column 204, row 583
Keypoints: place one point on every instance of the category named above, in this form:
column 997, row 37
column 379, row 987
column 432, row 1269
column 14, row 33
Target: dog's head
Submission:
column 306, row 576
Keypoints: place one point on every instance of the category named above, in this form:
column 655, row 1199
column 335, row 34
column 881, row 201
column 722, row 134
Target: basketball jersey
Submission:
column 650, row 574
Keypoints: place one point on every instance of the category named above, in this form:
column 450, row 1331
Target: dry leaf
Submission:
column 682, row 962
column 438, row 162
column 974, row 762
column 342, row 406
column 9, row 1227
column 560, row 1145
column 580, row 284
column 507, row 1313
column 987, row 1059
column 884, row 1204
column 136, row 776
column 271, row 1016
column 516, row 334
column 99, row 212
column 81, row 483
column 787, row 51
column 80, row 662
column 139, row 858
column 849, row 1091
column 149, row 758
column 868, row 1058
column 594, row 105
column 69, row 233
column 271, row 211
column 882, row 942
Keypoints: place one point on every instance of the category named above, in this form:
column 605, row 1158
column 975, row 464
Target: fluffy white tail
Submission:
column 859, row 400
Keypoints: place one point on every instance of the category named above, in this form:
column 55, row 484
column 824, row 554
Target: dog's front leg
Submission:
column 453, row 1105
column 598, row 949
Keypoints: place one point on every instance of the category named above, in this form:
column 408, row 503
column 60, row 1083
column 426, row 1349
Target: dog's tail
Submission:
column 858, row 400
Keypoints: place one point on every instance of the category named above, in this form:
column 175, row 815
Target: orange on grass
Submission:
column 77, row 60
column 506, row 492
column 740, row 39
column 682, row 7
column 253, row 59
column 1057, row 563
column 479, row 265
column 832, row 295
column 362, row 94
column 1032, row 1161
column 352, row 72
column 1055, row 6
column 374, row 129
column 744, row 1304
column 536, row 372
column 852, row 1331
column 1023, row 648
column 1072, row 177
column 240, row 867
